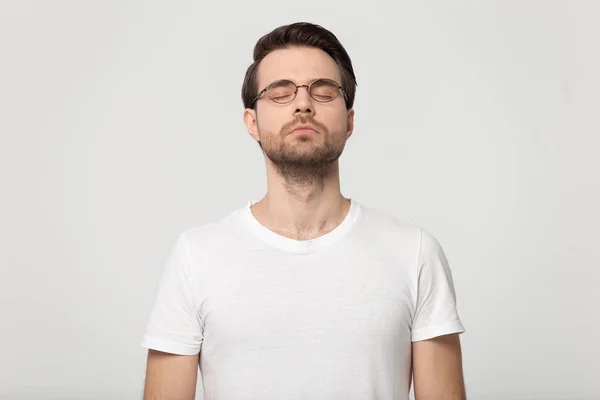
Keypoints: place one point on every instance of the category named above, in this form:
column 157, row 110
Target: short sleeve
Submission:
column 435, row 312
column 174, row 325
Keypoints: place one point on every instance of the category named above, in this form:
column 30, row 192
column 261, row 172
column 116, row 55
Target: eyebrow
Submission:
column 279, row 82
column 307, row 82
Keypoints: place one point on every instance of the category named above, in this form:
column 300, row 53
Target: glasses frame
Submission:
column 265, row 90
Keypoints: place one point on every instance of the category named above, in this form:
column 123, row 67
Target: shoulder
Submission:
column 401, row 234
column 384, row 224
column 214, row 234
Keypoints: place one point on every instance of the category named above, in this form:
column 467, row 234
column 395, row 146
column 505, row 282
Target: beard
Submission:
column 305, row 160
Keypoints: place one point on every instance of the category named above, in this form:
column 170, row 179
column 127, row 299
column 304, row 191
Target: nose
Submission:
column 303, row 101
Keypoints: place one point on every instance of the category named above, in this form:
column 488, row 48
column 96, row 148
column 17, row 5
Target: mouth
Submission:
column 304, row 129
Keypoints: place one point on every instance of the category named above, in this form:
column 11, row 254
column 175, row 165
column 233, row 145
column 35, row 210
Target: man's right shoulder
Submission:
column 214, row 234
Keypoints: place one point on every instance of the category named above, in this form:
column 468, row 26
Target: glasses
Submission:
column 284, row 91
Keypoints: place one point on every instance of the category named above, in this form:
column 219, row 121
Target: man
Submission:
column 304, row 294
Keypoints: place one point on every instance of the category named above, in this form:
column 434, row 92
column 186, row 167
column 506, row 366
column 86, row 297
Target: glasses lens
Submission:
column 281, row 91
column 324, row 90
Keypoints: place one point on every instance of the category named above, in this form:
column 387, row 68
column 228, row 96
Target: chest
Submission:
column 262, row 303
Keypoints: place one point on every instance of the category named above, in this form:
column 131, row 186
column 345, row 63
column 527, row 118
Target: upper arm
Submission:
column 436, row 349
column 435, row 311
column 170, row 376
column 175, row 325
column 174, row 333
column 437, row 368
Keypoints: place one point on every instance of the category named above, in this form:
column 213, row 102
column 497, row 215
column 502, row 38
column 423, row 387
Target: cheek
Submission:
column 271, row 121
column 340, row 121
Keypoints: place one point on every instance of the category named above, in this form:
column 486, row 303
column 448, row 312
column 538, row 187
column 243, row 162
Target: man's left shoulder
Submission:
column 385, row 223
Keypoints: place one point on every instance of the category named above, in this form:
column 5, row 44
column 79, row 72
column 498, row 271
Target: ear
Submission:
column 251, row 123
column 350, row 123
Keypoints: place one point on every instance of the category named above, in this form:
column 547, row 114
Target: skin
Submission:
column 170, row 376
column 437, row 369
column 304, row 201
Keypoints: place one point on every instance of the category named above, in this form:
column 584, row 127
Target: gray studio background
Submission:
column 121, row 126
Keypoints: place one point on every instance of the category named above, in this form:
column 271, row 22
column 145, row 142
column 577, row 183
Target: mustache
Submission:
column 289, row 126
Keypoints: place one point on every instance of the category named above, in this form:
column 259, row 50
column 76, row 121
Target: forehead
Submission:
column 299, row 64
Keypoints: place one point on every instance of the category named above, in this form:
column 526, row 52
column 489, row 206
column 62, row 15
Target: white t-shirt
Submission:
column 328, row 318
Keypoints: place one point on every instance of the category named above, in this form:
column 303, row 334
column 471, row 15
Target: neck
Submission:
column 302, row 209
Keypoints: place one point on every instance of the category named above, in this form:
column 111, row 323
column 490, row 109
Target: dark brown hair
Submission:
column 300, row 34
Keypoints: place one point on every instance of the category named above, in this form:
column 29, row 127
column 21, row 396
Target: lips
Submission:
column 304, row 128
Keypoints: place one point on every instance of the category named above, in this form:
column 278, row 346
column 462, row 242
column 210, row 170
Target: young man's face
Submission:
column 274, row 124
